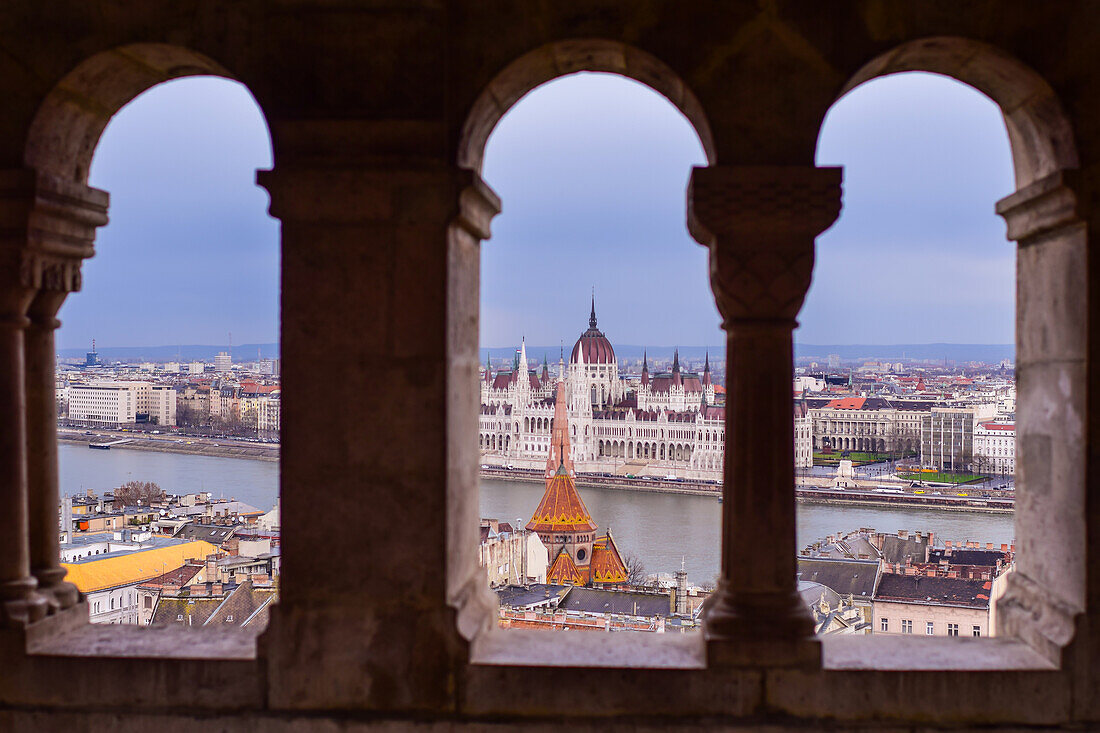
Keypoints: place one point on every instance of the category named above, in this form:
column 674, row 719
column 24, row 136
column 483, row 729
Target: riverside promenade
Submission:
column 809, row 490
column 171, row 443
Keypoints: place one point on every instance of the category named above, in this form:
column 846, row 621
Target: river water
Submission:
column 659, row 528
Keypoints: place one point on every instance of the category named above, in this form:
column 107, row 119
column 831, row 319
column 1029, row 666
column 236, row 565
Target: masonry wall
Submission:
column 378, row 113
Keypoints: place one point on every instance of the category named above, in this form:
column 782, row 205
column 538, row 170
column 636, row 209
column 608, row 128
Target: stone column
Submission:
column 760, row 224
column 52, row 227
column 61, row 235
column 1049, row 221
column 379, row 284
column 20, row 603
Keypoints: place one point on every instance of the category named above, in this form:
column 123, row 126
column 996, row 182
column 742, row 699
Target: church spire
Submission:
column 559, row 441
column 676, row 362
column 592, row 316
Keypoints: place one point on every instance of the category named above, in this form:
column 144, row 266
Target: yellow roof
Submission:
column 134, row 567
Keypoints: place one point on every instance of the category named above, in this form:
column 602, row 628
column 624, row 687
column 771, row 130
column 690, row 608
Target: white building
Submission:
column 196, row 367
column 268, row 414
column 121, row 403
column 102, row 403
column 223, row 362
column 995, row 448
column 666, row 424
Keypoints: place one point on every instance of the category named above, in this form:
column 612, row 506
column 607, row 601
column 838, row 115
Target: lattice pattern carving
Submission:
column 760, row 224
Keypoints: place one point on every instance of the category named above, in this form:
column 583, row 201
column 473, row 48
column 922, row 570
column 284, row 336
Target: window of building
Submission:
column 906, row 626
column 977, row 630
column 885, row 624
column 952, row 629
column 929, row 628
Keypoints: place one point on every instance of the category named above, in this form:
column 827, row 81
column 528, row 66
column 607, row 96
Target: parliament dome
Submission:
column 593, row 344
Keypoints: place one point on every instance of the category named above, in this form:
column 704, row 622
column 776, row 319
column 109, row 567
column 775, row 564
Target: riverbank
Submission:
column 804, row 494
column 221, row 448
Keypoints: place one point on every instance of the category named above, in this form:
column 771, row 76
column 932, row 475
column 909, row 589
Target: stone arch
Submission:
column 65, row 131
column 1039, row 132
column 562, row 58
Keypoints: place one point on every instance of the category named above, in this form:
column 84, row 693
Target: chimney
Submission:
column 211, row 567
column 1004, row 547
column 903, row 534
column 947, row 544
column 198, row 590
column 952, row 573
column 215, row 589
column 989, row 545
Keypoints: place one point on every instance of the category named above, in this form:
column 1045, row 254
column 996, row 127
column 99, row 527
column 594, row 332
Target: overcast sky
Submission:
column 592, row 171
column 190, row 253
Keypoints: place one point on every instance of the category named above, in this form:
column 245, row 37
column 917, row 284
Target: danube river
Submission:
column 658, row 528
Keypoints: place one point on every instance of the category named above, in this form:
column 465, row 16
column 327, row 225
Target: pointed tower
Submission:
column 488, row 368
column 706, row 371
column 545, row 369
column 677, row 380
column 562, row 521
column 645, row 370
column 559, row 439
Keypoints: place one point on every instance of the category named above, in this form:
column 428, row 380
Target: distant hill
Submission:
column 629, row 352
column 989, row 353
column 189, row 352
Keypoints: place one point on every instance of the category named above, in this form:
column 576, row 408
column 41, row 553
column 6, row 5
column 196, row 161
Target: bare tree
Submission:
column 635, row 570
column 137, row 493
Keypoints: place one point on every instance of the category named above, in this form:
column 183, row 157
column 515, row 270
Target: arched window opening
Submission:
column 190, row 257
column 908, row 332
column 593, row 229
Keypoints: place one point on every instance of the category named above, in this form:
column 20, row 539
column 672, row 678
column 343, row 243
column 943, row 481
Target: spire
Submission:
column 559, row 441
column 523, row 354
column 676, row 362
column 645, row 364
column 706, row 364
column 592, row 317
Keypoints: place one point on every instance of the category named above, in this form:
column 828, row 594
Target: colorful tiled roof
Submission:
column 564, row 571
column 561, row 508
column 607, row 565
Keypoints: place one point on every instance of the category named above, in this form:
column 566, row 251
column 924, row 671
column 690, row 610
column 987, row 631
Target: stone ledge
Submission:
column 137, row 642
column 525, row 648
column 940, row 654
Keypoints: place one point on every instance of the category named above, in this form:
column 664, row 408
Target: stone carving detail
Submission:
column 760, row 224
column 478, row 204
column 44, row 272
column 58, row 220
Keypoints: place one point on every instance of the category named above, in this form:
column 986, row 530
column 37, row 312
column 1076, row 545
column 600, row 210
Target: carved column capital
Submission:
column 52, row 225
column 1052, row 203
column 760, row 223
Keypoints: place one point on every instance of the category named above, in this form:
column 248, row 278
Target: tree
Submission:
column 136, row 493
column 635, row 570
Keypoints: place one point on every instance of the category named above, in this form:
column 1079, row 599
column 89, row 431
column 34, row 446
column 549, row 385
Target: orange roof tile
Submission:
column 564, row 571
column 846, row 403
column 561, row 508
column 607, row 565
